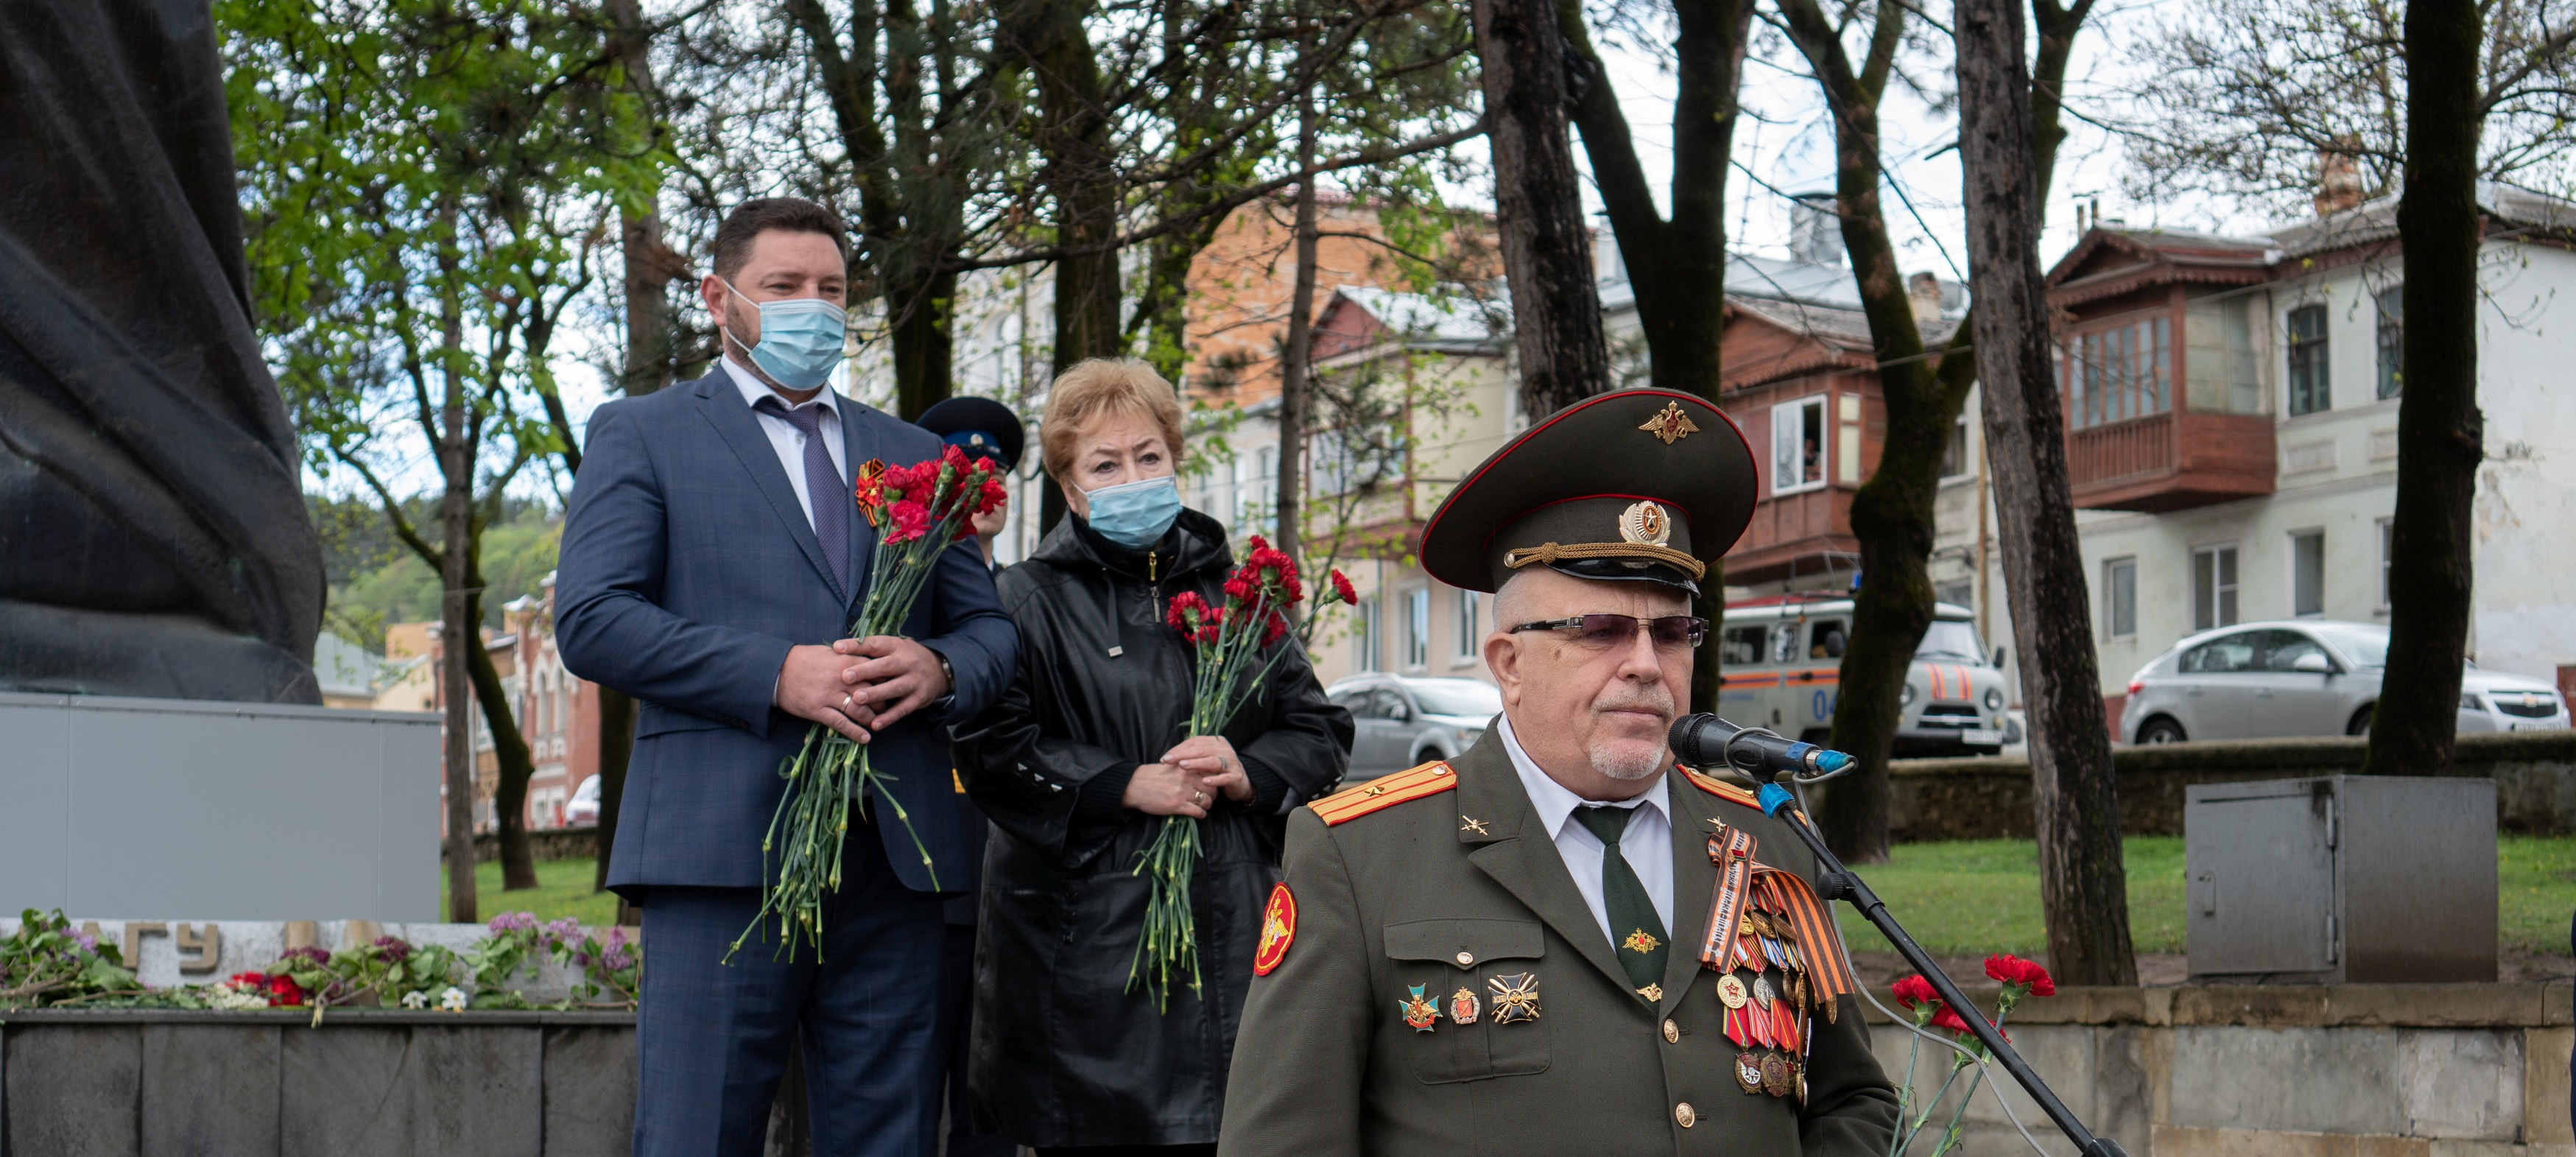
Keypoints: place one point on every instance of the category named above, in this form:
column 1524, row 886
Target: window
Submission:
column 1957, row 594
column 1784, row 642
column 1954, row 457
column 2307, row 573
column 2221, row 374
column 1417, row 627
column 2120, row 597
column 1740, row 646
column 2222, row 655
column 2392, row 341
column 2387, row 531
column 1825, row 639
column 2282, row 650
column 1470, row 641
column 1798, row 445
column 2309, row 390
column 1364, row 635
column 2122, row 372
column 2213, row 587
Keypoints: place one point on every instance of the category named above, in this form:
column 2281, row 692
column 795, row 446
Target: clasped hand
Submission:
column 860, row 686
column 1189, row 778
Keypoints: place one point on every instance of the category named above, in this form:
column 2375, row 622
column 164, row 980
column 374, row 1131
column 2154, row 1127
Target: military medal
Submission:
column 1731, row 991
column 1762, row 994
column 1515, row 997
column 1418, row 1011
column 1748, row 1072
column 1775, row 1075
column 1463, row 1006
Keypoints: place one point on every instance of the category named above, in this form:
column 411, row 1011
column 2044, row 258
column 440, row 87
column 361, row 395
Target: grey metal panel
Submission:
column 35, row 792
column 2260, row 877
column 209, row 1090
column 175, row 809
column 72, row 1091
column 2418, row 865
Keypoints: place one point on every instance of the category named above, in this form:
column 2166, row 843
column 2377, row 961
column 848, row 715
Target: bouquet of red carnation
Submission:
column 1231, row 640
column 2020, row 978
column 918, row 511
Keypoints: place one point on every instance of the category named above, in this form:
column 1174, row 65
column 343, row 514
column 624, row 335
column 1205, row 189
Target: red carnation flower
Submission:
column 911, row 521
column 1274, row 627
column 1342, row 590
column 994, row 494
column 1239, row 587
column 2024, row 974
column 1186, row 610
column 954, row 458
column 1914, row 990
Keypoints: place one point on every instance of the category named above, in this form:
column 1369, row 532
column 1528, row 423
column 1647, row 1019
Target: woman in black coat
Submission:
column 1078, row 766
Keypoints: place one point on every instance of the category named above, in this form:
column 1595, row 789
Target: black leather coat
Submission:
column 1063, row 1054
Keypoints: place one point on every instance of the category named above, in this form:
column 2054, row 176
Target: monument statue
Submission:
column 153, row 538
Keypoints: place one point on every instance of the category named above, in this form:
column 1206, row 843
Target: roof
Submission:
column 2111, row 261
column 1453, row 317
column 2376, row 220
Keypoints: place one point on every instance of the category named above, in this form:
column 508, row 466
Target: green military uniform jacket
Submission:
column 1416, row 894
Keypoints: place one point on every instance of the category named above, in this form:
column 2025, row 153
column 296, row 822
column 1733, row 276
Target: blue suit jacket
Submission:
column 687, row 571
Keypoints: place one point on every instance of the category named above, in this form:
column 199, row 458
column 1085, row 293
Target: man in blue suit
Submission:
column 712, row 562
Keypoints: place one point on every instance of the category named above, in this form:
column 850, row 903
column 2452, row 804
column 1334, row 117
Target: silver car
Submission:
column 2304, row 677
column 1403, row 721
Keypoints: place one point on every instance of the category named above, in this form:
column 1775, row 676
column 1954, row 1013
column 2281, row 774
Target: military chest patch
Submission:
column 1278, row 930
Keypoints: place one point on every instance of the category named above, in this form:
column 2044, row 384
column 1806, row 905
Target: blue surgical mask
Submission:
column 1135, row 514
column 800, row 339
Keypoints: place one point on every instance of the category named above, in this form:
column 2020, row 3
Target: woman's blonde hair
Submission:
column 1097, row 388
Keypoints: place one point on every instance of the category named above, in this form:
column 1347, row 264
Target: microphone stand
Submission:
column 1838, row 882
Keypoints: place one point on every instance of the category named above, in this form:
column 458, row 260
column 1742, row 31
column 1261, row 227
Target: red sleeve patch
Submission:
column 1278, row 929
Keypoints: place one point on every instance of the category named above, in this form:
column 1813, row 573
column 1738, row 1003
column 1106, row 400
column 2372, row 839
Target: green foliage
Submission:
column 565, row 889
column 516, row 557
column 49, row 962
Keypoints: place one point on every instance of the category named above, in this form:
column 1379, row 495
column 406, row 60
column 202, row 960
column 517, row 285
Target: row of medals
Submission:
column 1770, row 1006
column 1515, row 1002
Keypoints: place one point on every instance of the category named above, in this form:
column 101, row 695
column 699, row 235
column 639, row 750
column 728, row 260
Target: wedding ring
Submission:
column 845, row 701
column 1198, row 798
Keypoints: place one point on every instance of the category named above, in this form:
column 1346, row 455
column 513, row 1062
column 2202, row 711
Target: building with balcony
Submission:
column 2231, row 419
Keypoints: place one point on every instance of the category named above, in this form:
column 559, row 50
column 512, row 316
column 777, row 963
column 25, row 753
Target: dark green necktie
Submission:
column 1635, row 930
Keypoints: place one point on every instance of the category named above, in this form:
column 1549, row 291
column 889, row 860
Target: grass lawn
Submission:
column 563, row 889
column 1981, row 896
column 1970, row 897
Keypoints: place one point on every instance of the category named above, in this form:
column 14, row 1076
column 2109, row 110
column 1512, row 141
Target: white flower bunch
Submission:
column 230, row 997
column 452, row 1000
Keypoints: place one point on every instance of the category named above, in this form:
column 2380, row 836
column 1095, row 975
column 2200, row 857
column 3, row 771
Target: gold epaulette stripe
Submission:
column 1384, row 792
column 1722, row 789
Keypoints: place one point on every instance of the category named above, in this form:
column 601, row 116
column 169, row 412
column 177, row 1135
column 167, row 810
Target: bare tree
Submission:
column 2083, row 886
column 1547, row 247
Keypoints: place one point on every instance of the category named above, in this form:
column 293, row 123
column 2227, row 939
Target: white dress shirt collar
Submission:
column 753, row 389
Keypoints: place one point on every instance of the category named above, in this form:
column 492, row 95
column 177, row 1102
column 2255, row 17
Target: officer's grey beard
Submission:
column 1627, row 766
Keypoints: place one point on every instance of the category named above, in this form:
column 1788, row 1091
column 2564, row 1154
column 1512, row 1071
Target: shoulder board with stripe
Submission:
column 1722, row 789
column 1385, row 792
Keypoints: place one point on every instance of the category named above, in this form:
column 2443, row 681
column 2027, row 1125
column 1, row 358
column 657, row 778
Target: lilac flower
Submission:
column 509, row 922
column 614, row 956
column 393, row 948
column 566, row 931
column 87, row 942
column 315, row 955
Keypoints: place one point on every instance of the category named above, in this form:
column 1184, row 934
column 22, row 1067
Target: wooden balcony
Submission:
column 2171, row 461
column 1795, row 535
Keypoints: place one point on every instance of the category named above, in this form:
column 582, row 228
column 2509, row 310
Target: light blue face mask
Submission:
column 1135, row 514
column 800, row 339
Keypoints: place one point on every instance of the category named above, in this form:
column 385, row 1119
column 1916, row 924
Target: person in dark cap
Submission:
column 1559, row 942
column 985, row 428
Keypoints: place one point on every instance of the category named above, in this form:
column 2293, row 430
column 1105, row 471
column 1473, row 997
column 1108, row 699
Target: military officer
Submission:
column 1559, row 942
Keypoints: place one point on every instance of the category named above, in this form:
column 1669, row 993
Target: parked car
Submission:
column 584, row 805
column 1783, row 658
column 1404, row 721
column 2304, row 677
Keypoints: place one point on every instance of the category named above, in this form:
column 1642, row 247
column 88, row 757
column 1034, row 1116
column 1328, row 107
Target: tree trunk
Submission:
column 2441, row 435
column 514, row 766
column 456, row 633
column 1538, row 206
column 1296, row 354
column 2083, row 887
column 1677, row 266
column 923, row 346
column 1081, row 175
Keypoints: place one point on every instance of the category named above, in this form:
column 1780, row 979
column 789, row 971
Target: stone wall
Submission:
column 2401, row 1070
column 1978, row 799
column 576, row 843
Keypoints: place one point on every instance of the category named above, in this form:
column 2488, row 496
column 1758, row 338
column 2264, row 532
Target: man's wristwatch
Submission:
column 945, row 671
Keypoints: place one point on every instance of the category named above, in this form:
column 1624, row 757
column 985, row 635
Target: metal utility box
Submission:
column 2341, row 878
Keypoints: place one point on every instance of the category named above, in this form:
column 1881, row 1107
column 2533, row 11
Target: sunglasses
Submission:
column 1603, row 632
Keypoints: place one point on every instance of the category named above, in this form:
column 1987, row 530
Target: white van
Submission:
column 1783, row 670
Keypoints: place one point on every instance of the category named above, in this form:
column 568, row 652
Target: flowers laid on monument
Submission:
column 1235, row 646
column 918, row 512
column 49, row 963
column 2020, row 979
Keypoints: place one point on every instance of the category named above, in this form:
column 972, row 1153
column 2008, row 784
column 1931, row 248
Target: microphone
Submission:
column 1704, row 739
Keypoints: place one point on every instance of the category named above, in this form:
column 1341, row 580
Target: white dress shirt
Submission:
column 1647, row 845
column 785, row 438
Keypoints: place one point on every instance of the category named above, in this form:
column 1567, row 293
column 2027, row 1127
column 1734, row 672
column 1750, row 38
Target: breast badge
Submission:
column 1515, row 997
column 1278, row 930
column 1419, row 1012
column 1463, row 1006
